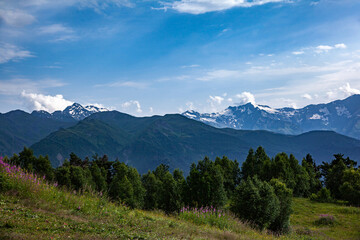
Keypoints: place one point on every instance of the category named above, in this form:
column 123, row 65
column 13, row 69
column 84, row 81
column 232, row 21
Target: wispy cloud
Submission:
column 130, row 84
column 9, row 52
column 54, row 29
column 191, row 66
column 60, row 32
column 201, row 6
column 16, row 86
column 218, row 74
column 16, row 17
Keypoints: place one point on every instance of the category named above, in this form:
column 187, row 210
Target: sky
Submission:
column 147, row 57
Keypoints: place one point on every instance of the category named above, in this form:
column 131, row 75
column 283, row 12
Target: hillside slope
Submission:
column 178, row 141
column 19, row 129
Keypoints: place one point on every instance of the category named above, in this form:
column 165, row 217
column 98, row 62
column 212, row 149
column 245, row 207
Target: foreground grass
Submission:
column 346, row 223
column 30, row 208
column 37, row 219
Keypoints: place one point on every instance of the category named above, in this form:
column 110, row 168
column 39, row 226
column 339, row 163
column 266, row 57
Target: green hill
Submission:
column 178, row 141
column 19, row 129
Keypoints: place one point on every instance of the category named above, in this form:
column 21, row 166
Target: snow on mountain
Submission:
column 342, row 116
column 74, row 112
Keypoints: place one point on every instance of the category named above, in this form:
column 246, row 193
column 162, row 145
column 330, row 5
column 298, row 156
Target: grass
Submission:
column 30, row 208
column 307, row 214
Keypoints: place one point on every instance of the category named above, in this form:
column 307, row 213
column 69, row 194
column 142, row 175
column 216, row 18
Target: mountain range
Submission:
column 178, row 141
column 146, row 142
column 342, row 116
column 19, row 128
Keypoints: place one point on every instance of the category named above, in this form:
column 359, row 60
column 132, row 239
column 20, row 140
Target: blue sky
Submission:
column 155, row 57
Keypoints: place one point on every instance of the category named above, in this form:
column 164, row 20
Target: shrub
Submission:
column 323, row 196
column 284, row 194
column 255, row 201
column 350, row 189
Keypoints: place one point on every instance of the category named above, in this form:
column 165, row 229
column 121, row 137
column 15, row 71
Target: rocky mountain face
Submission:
column 342, row 116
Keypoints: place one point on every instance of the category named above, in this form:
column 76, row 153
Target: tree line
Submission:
column 260, row 191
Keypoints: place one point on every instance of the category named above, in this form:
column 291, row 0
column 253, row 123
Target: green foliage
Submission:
column 334, row 173
column 255, row 164
column 231, row 174
column 152, row 186
column 284, row 194
column 350, row 189
column 77, row 177
column 255, row 201
column 314, row 174
column 323, row 195
column 126, row 186
column 206, row 184
column 98, row 177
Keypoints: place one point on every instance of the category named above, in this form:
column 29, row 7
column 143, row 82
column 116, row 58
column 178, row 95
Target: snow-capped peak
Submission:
column 73, row 112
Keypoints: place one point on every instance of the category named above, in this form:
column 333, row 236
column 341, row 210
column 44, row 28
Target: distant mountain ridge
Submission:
column 342, row 116
column 74, row 112
column 19, row 128
column 146, row 142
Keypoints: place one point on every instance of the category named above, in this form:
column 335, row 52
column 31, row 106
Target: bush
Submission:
column 255, row 201
column 350, row 189
column 323, row 196
column 284, row 194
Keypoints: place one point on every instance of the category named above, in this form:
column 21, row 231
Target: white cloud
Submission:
column 54, row 29
column 9, row 52
column 218, row 74
column 348, row 90
column 298, row 52
column 307, row 96
column 323, row 48
column 61, row 32
column 204, row 6
column 44, row 102
column 327, row 48
column 16, row 17
column 246, row 97
column 191, row 66
column 216, row 100
column 132, row 103
column 151, row 110
column 131, row 84
column 100, row 5
column 340, row 45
